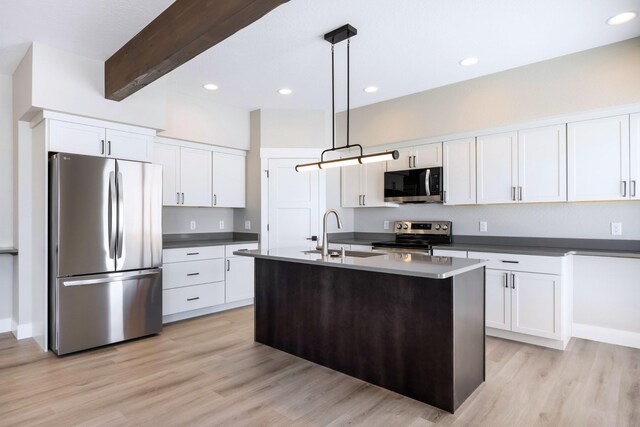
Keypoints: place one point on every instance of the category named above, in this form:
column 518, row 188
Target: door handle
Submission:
column 119, row 186
column 414, row 161
column 513, row 280
column 109, row 148
column 444, row 196
column 513, row 193
column 228, row 265
column 624, row 188
column 215, row 199
column 506, row 280
column 427, row 182
column 410, row 162
column 177, row 198
column 113, row 212
column 102, row 146
column 633, row 188
column 360, row 200
column 364, row 200
column 519, row 193
column 182, row 198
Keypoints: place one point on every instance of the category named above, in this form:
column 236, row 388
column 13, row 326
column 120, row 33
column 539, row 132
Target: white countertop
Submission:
column 418, row 265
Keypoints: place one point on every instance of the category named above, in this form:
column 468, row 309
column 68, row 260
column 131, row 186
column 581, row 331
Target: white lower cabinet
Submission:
column 449, row 253
column 206, row 279
column 528, row 303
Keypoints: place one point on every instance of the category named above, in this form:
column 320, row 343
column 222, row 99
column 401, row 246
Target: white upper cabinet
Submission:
column 195, row 177
column 497, row 168
column 459, row 168
column 169, row 157
column 363, row 185
column 599, row 159
column 542, row 164
column 129, row 146
column 229, row 180
column 419, row 157
column 90, row 140
column 634, row 165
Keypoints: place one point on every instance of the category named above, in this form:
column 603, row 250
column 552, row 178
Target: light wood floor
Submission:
column 208, row 371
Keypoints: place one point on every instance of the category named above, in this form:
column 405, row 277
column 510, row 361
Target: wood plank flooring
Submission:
column 208, row 371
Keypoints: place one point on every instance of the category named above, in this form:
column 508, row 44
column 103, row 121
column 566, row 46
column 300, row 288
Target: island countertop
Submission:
column 406, row 264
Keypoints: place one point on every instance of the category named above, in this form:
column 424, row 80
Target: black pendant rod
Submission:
column 333, row 99
column 348, row 75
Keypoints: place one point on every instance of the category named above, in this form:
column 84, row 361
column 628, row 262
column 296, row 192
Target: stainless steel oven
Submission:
column 413, row 186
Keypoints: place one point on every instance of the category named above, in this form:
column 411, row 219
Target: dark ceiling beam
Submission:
column 184, row 30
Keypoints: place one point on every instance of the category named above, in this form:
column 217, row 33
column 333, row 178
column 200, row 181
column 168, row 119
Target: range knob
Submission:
column 437, row 226
column 445, row 227
column 406, row 226
column 399, row 226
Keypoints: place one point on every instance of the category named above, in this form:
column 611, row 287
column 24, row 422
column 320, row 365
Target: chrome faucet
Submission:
column 324, row 247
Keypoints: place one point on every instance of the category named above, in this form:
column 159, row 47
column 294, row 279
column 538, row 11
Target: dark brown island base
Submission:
column 409, row 323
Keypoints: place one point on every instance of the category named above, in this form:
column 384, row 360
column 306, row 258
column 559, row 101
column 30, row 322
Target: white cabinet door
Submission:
column 372, row 179
column 497, row 168
column 239, row 280
column 428, row 156
column 129, row 146
column 634, row 165
column 169, row 157
column 229, row 188
column 535, row 304
column 497, row 299
column 351, row 186
column 598, row 159
column 542, row 164
column 65, row 137
column 195, row 177
column 404, row 162
column 459, row 168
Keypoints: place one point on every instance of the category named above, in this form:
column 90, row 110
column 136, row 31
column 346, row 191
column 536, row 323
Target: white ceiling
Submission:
column 402, row 46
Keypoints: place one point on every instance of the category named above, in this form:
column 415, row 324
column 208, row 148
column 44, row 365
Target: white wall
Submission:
column 254, row 173
column 597, row 78
column 73, row 84
column 6, row 202
column 176, row 220
column 569, row 220
column 202, row 119
column 294, row 129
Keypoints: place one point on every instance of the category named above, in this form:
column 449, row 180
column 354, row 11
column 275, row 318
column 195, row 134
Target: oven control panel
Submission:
column 442, row 228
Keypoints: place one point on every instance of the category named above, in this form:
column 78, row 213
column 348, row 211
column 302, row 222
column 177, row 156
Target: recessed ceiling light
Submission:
column 210, row 86
column 621, row 18
column 371, row 89
column 469, row 61
column 285, row 91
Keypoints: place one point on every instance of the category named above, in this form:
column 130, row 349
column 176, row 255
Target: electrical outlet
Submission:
column 221, row 225
column 247, row 225
column 192, row 225
column 483, row 226
column 385, row 225
column 616, row 229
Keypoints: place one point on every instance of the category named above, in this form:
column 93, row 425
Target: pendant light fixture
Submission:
column 336, row 36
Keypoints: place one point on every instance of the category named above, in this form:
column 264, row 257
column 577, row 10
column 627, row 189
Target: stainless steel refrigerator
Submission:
column 105, row 251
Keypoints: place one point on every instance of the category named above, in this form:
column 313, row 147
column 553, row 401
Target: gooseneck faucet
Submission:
column 324, row 247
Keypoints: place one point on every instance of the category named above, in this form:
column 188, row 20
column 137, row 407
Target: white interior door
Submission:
column 535, row 304
column 293, row 204
column 542, row 164
column 497, row 300
column 497, row 168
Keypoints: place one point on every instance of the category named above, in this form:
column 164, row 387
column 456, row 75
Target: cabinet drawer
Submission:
column 513, row 262
column 450, row 253
column 230, row 249
column 192, row 254
column 192, row 298
column 180, row 274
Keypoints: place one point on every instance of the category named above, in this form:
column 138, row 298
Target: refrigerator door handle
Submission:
column 120, row 215
column 113, row 277
column 113, row 209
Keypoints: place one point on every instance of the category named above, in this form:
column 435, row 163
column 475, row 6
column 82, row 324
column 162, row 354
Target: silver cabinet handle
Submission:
column 510, row 262
column 360, row 200
column 193, row 299
column 506, row 280
column 215, row 199
column 513, row 280
column 228, row 265
column 182, row 198
column 444, row 196
column 624, row 188
column 193, row 253
column 193, row 274
column 513, row 193
column 519, row 193
column 109, row 148
column 177, row 198
column 633, row 188
column 102, row 146
column 409, row 162
column 364, row 200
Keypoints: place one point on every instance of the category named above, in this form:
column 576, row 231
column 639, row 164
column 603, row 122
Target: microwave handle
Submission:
column 427, row 179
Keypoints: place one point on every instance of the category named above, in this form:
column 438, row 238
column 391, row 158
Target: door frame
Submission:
column 267, row 154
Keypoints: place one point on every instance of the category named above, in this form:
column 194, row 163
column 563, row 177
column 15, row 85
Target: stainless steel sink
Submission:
column 347, row 253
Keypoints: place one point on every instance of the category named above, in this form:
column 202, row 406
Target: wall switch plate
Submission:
column 247, row 225
column 385, row 225
column 221, row 225
column 192, row 225
column 616, row 229
column 483, row 226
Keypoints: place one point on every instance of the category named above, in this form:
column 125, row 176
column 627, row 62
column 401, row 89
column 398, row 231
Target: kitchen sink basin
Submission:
column 347, row 253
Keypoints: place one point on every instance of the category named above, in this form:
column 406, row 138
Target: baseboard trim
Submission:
column 5, row 325
column 528, row 339
column 204, row 311
column 606, row 335
column 22, row 331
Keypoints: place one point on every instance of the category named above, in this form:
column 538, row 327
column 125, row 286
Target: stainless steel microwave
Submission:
column 413, row 186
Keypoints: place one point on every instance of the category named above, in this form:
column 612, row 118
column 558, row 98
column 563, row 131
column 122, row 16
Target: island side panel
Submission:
column 469, row 333
column 390, row 330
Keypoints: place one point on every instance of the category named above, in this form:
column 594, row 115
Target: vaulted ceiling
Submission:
column 402, row 46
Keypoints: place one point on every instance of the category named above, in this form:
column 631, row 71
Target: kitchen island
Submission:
column 409, row 323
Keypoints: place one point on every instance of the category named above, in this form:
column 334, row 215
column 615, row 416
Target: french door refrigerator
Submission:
column 105, row 251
